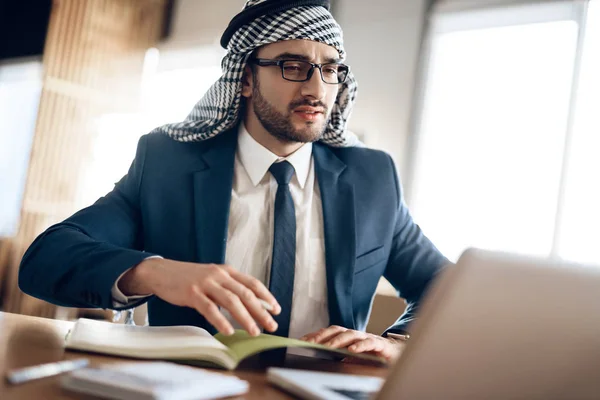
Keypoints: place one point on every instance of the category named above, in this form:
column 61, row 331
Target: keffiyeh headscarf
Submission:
column 219, row 109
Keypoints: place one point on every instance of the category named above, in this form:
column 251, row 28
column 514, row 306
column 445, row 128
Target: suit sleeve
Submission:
column 75, row 263
column 413, row 263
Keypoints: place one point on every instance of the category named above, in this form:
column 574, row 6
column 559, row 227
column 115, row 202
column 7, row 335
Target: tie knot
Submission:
column 282, row 171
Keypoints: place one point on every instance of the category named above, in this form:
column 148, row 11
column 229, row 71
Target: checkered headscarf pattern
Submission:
column 219, row 109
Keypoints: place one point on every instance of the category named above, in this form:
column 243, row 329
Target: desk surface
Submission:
column 27, row 341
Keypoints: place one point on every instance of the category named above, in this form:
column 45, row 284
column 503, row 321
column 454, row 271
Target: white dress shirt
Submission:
column 250, row 230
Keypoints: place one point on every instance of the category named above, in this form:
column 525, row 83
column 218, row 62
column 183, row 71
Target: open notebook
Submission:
column 188, row 344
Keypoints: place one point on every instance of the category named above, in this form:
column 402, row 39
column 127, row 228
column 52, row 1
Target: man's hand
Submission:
column 205, row 287
column 357, row 342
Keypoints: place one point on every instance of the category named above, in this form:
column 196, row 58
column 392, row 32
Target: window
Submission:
column 507, row 132
column 172, row 83
column 20, row 90
column 578, row 233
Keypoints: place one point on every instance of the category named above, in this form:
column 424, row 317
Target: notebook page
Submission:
column 105, row 334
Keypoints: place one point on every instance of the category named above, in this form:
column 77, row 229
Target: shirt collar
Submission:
column 257, row 159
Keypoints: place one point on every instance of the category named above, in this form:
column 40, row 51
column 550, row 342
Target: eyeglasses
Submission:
column 302, row 71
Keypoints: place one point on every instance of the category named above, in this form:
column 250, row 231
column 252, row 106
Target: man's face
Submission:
column 292, row 111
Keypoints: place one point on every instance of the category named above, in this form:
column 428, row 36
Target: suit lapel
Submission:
column 212, row 196
column 337, row 196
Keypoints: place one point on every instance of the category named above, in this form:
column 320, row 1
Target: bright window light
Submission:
column 579, row 235
column 169, row 92
column 492, row 134
column 20, row 90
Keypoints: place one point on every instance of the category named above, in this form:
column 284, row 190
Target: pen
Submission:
column 22, row 375
column 397, row 336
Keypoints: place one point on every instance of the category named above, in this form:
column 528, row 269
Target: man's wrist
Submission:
column 138, row 280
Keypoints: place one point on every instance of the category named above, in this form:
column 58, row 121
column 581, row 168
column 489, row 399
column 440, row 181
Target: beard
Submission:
column 280, row 125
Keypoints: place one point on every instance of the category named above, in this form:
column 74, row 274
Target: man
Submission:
column 261, row 187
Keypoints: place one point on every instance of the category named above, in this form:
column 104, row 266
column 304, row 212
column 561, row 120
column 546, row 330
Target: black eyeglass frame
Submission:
column 265, row 62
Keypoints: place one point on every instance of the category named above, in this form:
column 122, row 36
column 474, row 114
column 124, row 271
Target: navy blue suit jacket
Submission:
column 174, row 202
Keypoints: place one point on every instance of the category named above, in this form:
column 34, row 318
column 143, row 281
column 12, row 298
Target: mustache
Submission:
column 316, row 103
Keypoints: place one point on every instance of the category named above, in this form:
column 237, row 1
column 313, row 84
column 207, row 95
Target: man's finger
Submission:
column 308, row 336
column 232, row 303
column 211, row 312
column 257, row 287
column 327, row 334
column 370, row 345
column 345, row 339
column 252, row 304
column 312, row 334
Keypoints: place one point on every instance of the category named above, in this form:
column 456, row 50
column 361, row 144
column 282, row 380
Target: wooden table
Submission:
column 27, row 341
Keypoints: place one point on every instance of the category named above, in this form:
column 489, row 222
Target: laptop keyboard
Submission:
column 354, row 394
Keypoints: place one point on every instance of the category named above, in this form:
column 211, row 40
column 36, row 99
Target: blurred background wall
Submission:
column 92, row 64
column 489, row 109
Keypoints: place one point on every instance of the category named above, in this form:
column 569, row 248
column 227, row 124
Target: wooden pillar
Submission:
column 93, row 59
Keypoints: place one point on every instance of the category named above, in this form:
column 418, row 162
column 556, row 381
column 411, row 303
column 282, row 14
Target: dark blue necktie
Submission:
column 281, row 283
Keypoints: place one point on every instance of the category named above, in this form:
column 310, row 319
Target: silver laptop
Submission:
column 495, row 326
